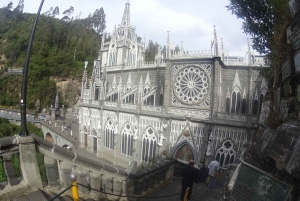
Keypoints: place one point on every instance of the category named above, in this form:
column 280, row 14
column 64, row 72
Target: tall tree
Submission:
column 20, row 6
column 267, row 21
column 67, row 13
column 98, row 20
column 9, row 5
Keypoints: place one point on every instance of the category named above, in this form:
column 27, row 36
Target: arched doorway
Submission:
column 184, row 153
column 85, row 137
column 95, row 141
column 49, row 138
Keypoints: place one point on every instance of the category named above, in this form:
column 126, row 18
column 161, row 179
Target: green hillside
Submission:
column 59, row 50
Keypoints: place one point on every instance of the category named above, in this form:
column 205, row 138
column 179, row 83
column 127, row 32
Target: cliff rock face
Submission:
column 3, row 60
column 70, row 90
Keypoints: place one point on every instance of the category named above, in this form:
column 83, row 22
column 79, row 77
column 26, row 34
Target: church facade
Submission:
column 188, row 105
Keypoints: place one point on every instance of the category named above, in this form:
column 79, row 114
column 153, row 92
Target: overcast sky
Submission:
column 190, row 21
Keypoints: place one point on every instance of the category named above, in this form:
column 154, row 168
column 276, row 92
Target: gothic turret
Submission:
column 215, row 43
column 168, row 51
column 126, row 15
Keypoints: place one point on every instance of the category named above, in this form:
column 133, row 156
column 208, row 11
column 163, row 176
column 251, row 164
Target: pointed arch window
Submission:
column 96, row 93
column 109, row 135
column 129, row 99
column 235, row 100
column 113, row 56
column 95, row 143
column 113, row 98
column 243, row 109
column 132, row 57
column 150, row 100
column 227, row 104
column 255, row 107
column 226, row 153
column 161, row 99
column 149, row 141
column 146, row 88
column 127, row 140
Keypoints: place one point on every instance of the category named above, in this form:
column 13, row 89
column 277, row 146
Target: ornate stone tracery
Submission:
column 109, row 134
column 226, row 153
column 191, row 85
column 149, row 145
column 127, row 140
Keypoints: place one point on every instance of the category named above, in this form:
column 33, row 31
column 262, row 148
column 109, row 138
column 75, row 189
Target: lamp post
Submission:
column 208, row 148
column 24, row 131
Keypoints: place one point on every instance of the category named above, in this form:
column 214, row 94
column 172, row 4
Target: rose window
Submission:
column 191, row 85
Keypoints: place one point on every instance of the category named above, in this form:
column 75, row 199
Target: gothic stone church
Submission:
column 188, row 105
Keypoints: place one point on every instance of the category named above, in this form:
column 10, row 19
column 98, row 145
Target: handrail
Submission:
column 128, row 196
column 61, row 193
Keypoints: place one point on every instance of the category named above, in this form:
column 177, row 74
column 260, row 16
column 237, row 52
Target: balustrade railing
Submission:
column 92, row 175
column 9, row 171
column 15, row 115
column 238, row 117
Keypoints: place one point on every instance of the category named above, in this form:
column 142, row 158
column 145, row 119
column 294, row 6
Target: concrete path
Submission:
column 200, row 192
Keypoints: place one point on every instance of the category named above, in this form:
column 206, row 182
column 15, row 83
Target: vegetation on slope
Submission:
column 59, row 50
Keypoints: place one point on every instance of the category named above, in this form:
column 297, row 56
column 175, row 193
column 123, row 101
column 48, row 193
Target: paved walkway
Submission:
column 200, row 192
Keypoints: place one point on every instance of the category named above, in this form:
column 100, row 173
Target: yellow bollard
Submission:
column 186, row 194
column 74, row 187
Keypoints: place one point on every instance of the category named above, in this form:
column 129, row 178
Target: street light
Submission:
column 24, row 131
column 208, row 148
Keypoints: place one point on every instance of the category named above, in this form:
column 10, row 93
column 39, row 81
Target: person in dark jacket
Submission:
column 189, row 175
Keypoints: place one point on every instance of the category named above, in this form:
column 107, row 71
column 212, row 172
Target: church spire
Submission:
column 168, row 51
column 215, row 42
column 222, row 53
column 249, row 53
column 126, row 15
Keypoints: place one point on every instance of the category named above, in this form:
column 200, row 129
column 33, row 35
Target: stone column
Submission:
column 137, row 144
column 95, row 182
column 82, row 177
column 117, row 149
column 65, row 171
column 28, row 162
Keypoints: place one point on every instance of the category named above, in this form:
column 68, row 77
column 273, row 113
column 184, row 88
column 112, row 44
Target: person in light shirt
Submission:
column 213, row 165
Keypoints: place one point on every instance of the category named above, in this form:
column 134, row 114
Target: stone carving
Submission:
column 199, row 113
column 128, row 106
column 151, row 108
column 110, row 104
column 234, row 117
column 191, row 85
column 161, row 138
column 95, row 103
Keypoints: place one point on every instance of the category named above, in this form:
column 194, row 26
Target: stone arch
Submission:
column 95, row 141
column 184, row 151
column 49, row 138
column 226, row 154
column 85, row 133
